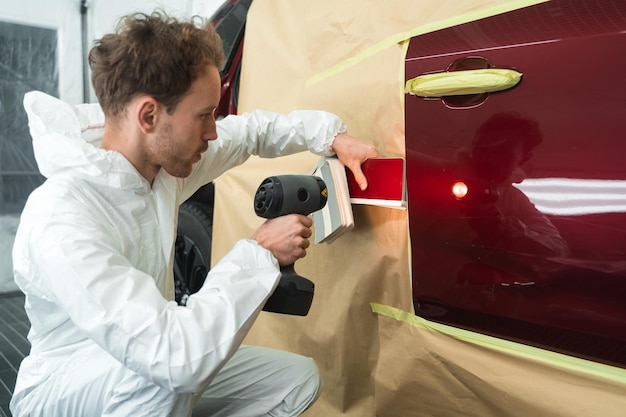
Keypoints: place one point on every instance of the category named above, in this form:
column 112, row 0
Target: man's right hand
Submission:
column 287, row 237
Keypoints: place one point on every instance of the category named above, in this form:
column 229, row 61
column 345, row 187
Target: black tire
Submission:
column 192, row 253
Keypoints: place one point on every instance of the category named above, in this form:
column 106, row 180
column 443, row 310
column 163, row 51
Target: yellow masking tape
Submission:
column 401, row 75
column 527, row 352
column 456, row 83
column 420, row 30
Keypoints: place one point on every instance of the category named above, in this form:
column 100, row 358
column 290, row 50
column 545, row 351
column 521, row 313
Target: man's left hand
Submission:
column 352, row 152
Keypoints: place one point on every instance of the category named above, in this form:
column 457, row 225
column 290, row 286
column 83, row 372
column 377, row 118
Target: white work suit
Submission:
column 94, row 256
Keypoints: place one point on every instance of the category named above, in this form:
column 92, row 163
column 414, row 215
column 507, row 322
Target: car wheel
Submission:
column 192, row 253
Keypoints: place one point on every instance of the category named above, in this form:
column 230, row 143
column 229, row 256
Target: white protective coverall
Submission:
column 94, row 256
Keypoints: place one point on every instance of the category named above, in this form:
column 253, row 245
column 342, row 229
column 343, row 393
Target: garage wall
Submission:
column 65, row 17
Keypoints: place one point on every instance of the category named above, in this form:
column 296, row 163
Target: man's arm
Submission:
column 270, row 135
column 83, row 265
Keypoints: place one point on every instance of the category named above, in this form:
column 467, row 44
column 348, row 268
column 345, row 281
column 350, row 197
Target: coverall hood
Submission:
column 67, row 137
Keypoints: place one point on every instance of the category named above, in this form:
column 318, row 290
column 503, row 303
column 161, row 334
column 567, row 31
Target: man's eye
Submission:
column 208, row 115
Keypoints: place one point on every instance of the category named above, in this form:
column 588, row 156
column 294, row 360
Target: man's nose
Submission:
column 210, row 134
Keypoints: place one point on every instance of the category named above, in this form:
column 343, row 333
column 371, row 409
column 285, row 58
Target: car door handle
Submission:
column 463, row 82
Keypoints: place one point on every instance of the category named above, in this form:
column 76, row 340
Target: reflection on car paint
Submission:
column 575, row 196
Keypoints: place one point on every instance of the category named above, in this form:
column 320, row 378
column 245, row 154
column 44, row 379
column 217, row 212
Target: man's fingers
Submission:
column 287, row 237
column 359, row 177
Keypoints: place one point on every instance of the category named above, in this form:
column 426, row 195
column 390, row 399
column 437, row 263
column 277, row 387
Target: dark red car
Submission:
column 516, row 198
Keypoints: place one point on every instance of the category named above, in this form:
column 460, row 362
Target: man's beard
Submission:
column 171, row 161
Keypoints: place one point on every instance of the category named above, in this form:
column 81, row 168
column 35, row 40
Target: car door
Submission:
column 517, row 198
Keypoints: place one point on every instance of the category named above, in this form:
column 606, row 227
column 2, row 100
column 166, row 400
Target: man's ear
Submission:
column 147, row 114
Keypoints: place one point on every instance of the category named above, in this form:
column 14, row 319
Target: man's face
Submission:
column 183, row 136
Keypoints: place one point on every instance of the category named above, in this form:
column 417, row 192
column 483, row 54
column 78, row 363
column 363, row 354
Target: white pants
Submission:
column 254, row 382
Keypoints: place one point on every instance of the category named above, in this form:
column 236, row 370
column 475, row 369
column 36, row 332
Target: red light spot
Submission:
column 459, row 190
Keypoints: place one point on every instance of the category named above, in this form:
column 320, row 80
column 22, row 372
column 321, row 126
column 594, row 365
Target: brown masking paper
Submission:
column 442, row 375
column 347, row 58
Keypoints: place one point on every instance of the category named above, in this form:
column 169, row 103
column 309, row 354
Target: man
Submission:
column 93, row 253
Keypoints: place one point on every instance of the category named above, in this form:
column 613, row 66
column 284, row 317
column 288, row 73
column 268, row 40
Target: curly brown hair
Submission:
column 154, row 54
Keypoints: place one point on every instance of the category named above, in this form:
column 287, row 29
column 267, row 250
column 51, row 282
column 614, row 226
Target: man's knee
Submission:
column 306, row 385
column 261, row 381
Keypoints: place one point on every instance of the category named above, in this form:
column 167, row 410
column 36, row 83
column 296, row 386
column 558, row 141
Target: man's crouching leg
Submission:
column 92, row 383
column 259, row 381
